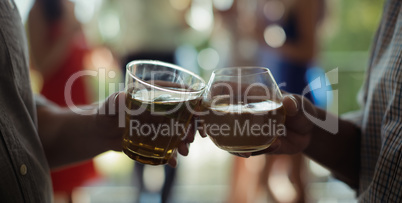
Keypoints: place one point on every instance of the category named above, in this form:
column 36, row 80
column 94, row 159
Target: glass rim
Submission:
column 265, row 70
column 170, row 65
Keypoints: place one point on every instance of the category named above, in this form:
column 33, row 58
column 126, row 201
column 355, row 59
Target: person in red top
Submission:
column 58, row 47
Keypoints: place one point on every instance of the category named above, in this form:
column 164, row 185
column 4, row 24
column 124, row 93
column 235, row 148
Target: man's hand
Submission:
column 339, row 152
column 106, row 121
column 298, row 127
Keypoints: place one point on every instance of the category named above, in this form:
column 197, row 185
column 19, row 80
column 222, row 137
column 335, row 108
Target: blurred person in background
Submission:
column 57, row 48
column 280, row 35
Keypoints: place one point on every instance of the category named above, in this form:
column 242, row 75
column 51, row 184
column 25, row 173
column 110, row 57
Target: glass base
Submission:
column 245, row 148
column 145, row 160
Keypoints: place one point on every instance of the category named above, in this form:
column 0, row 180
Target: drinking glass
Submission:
column 242, row 109
column 161, row 99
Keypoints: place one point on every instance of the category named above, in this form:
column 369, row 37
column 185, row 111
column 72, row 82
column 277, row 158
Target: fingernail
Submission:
column 115, row 97
column 294, row 102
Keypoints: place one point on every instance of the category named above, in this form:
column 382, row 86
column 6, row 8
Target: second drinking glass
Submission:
column 242, row 109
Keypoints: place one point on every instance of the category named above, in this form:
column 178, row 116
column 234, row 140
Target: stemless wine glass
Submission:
column 242, row 109
column 161, row 100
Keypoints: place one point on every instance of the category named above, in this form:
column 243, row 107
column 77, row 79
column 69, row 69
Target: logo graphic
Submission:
column 322, row 86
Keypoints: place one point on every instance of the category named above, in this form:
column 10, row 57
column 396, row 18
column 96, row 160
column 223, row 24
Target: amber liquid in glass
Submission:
column 239, row 127
column 152, row 136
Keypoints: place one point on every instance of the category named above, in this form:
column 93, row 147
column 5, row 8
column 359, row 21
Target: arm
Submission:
column 340, row 152
column 68, row 137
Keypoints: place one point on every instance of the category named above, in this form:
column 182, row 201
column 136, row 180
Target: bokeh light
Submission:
column 113, row 164
column 208, row 58
column 274, row 36
column 153, row 177
column 223, row 5
column 200, row 17
column 85, row 9
column 109, row 25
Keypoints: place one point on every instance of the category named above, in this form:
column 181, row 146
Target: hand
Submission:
column 184, row 145
column 107, row 118
column 107, row 122
column 298, row 128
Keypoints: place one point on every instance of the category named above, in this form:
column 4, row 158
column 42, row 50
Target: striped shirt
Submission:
column 381, row 122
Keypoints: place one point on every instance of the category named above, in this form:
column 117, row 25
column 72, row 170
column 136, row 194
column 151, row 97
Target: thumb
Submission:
column 119, row 101
column 291, row 105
